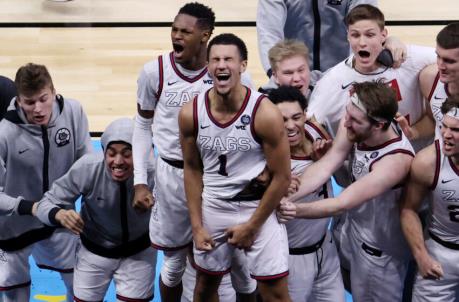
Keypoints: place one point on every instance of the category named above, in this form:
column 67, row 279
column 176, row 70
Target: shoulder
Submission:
column 427, row 79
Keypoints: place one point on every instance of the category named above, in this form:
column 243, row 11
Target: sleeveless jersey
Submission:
column 176, row 86
column 377, row 221
column 306, row 232
column 231, row 152
column 445, row 210
column 437, row 97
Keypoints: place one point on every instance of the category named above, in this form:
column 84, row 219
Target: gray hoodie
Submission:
column 112, row 228
column 34, row 157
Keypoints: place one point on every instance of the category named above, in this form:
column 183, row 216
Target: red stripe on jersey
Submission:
column 395, row 151
column 212, row 273
column 437, row 165
column 437, row 77
column 181, row 75
column 122, row 298
column 394, row 85
column 175, row 248
column 252, row 122
column 453, row 166
column 224, row 125
column 271, row 277
column 161, row 78
column 195, row 116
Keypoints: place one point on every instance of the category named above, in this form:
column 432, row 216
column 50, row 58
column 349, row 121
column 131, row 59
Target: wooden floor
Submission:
column 99, row 66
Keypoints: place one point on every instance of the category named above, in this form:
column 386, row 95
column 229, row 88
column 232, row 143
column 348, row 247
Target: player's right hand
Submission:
column 294, row 185
column 286, row 211
column 70, row 220
column 143, row 198
column 429, row 268
column 202, row 240
column 409, row 131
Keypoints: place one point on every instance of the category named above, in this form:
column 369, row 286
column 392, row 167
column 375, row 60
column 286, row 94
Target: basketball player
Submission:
column 381, row 158
column 438, row 81
column 41, row 136
column 366, row 35
column 313, row 262
column 164, row 85
column 229, row 134
column 114, row 237
column 435, row 169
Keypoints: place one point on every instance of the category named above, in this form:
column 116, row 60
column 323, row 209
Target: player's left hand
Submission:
column 294, row 185
column 409, row 131
column 143, row 199
column 242, row 235
column 320, row 147
column 286, row 211
column 398, row 50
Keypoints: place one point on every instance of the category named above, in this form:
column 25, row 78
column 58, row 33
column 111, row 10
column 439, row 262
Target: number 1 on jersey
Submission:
column 222, row 169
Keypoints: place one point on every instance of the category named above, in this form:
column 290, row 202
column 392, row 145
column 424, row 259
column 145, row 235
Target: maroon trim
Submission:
column 453, row 166
column 123, row 298
column 395, row 151
column 167, row 249
column 363, row 147
column 217, row 123
column 437, row 165
column 181, row 75
column 321, row 133
column 5, row 288
column 432, row 90
column 300, row 157
column 59, row 270
column 271, row 277
column 76, row 299
column 447, row 90
column 212, row 273
column 161, row 78
column 195, row 116
column 252, row 122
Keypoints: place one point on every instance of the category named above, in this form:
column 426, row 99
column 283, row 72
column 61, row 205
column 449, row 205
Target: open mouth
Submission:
column 364, row 54
column 223, row 76
column 177, row 47
column 299, row 87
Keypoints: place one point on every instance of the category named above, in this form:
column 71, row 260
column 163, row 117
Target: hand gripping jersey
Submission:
column 331, row 93
column 166, row 94
column 231, row 153
column 35, row 156
column 444, row 222
column 437, row 97
column 306, row 232
column 377, row 221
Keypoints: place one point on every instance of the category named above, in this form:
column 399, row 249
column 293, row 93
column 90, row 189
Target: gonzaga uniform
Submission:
column 443, row 230
column 437, row 96
column 35, row 156
column 313, row 262
column 232, row 158
column 380, row 253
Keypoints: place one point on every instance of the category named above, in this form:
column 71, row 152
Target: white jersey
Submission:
column 307, row 232
column 444, row 221
column 231, row 153
column 331, row 93
column 377, row 221
column 437, row 96
column 165, row 86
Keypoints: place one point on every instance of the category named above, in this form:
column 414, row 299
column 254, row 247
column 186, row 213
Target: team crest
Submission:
column 245, row 119
column 374, row 154
column 62, row 137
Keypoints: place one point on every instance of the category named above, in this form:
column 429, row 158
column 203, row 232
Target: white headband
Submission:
column 357, row 102
column 453, row 112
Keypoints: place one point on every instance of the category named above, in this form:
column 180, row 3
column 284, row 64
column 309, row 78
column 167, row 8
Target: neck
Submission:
column 197, row 62
column 365, row 70
column 228, row 103
column 304, row 148
column 453, row 88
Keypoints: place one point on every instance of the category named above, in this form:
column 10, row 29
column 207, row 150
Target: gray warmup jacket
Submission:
column 112, row 228
column 318, row 23
column 34, row 157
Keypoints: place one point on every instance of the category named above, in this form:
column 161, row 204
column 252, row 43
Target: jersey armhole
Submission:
column 437, row 165
column 395, row 151
column 161, row 77
column 252, row 123
column 195, row 116
column 434, row 85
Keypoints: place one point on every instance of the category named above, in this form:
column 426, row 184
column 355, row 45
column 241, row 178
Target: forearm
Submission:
column 193, row 189
column 142, row 148
column 412, row 229
column 313, row 177
column 423, row 128
column 320, row 208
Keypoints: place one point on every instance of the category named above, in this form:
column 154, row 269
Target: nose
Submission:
column 118, row 160
column 289, row 124
column 440, row 63
column 362, row 40
column 296, row 77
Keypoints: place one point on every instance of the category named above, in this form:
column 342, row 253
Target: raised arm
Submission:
column 269, row 127
column 421, row 178
column 193, row 172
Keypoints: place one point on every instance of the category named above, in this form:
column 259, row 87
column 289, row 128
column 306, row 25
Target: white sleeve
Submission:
column 8, row 204
column 271, row 17
column 142, row 148
column 147, row 85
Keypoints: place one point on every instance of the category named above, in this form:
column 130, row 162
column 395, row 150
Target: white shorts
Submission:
column 375, row 277
column 55, row 253
column 316, row 276
column 446, row 289
column 170, row 226
column 340, row 231
column 266, row 259
column 133, row 276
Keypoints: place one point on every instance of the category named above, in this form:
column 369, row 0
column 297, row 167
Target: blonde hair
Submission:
column 286, row 49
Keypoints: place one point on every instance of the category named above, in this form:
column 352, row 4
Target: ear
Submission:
column 274, row 76
column 206, row 34
column 384, row 34
column 243, row 66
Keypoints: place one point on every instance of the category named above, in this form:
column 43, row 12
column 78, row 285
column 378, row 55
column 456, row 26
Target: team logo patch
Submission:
column 245, row 119
column 62, row 137
column 374, row 154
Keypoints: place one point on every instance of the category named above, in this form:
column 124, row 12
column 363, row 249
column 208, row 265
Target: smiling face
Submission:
column 448, row 65
column 450, row 135
column 366, row 39
column 118, row 159
column 225, row 67
column 188, row 39
column 357, row 124
column 293, row 71
column 38, row 107
column 294, row 120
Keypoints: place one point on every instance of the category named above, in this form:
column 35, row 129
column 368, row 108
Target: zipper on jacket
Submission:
column 123, row 212
column 44, row 135
column 316, row 47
